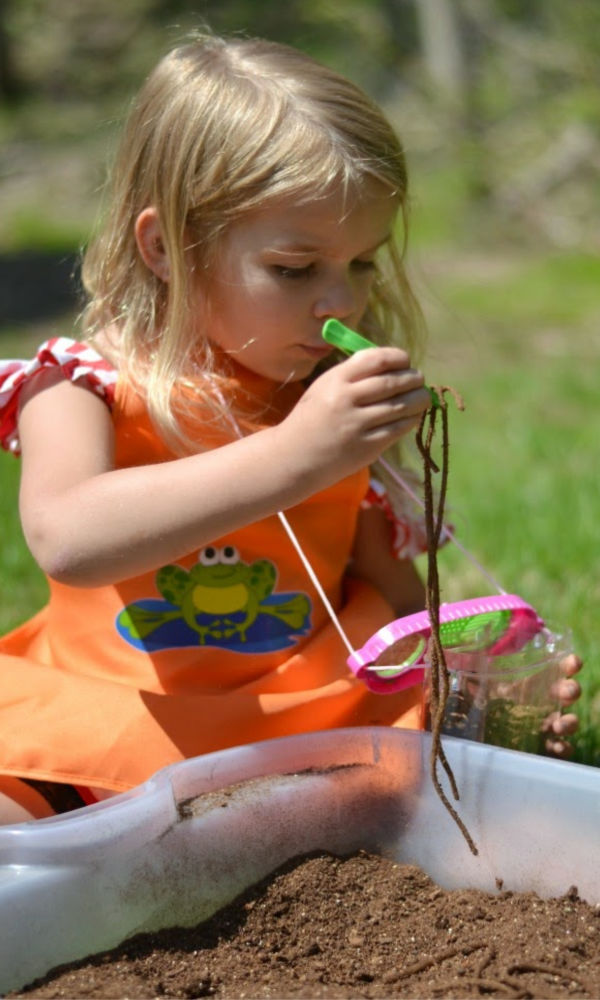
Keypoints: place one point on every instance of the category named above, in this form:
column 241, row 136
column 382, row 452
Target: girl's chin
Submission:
column 280, row 375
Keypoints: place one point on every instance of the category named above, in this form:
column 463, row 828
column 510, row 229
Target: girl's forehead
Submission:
column 329, row 219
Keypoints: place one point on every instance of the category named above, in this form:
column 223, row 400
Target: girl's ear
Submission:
column 150, row 244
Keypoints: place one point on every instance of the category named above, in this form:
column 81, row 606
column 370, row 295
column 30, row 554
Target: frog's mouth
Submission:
column 220, row 600
column 222, row 572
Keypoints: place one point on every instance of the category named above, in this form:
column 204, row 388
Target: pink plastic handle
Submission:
column 522, row 626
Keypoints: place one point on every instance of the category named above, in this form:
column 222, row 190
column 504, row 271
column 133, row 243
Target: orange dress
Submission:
column 230, row 645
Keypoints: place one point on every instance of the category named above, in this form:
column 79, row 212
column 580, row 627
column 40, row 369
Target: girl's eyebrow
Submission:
column 308, row 248
column 378, row 246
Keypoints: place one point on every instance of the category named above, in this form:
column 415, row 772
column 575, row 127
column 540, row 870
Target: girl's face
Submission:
column 286, row 269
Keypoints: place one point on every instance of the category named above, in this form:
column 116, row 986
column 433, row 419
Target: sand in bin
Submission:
column 361, row 926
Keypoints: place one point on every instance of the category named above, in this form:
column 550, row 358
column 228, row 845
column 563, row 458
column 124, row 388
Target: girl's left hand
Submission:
column 559, row 727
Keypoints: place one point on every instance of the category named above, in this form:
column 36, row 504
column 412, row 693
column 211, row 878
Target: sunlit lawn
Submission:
column 22, row 586
column 521, row 345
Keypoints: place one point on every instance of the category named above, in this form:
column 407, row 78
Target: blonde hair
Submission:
column 220, row 128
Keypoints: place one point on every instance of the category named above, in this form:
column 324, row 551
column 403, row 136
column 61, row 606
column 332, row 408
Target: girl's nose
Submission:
column 338, row 300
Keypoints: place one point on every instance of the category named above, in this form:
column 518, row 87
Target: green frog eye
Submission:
column 229, row 555
column 209, row 556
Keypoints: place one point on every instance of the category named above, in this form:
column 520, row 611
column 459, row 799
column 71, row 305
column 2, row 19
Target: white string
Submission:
column 315, row 580
column 302, row 554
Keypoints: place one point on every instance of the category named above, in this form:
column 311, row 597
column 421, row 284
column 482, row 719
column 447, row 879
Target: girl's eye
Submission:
column 363, row 265
column 294, row 272
column 308, row 270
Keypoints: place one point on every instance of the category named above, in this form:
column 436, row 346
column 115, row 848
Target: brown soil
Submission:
column 362, row 926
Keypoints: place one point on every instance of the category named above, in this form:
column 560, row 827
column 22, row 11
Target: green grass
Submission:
column 557, row 290
column 522, row 495
column 29, row 229
column 23, row 587
column 520, row 344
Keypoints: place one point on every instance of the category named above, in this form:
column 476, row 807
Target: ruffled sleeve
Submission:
column 78, row 363
column 409, row 535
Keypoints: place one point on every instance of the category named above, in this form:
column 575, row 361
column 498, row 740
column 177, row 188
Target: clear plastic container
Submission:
column 197, row 834
column 504, row 700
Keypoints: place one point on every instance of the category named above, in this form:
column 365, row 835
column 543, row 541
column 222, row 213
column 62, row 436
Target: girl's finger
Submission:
column 407, row 406
column 565, row 725
column 559, row 748
column 375, row 362
column 392, row 385
column 571, row 664
column 567, row 691
column 385, row 434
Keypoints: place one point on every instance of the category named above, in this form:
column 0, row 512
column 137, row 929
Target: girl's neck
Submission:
column 255, row 395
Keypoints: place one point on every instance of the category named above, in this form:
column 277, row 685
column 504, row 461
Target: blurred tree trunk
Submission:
column 439, row 25
column 452, row 49
column 10, row 85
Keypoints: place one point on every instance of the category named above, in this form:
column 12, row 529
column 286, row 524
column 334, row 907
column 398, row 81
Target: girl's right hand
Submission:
column 354, row 411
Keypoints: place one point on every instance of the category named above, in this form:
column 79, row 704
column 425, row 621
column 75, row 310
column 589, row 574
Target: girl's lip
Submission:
column 317, row 350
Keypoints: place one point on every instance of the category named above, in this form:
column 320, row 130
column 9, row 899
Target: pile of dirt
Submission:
column 362, row 926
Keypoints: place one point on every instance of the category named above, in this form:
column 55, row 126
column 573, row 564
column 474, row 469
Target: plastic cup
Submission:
column 503, row 700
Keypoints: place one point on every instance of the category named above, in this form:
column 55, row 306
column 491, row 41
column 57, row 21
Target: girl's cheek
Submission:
column 363, row 300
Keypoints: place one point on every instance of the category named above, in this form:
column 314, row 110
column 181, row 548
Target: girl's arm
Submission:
column 87, row 523
column 373, row 560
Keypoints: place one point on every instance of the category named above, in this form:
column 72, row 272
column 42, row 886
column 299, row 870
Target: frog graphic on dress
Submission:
column 221, row 601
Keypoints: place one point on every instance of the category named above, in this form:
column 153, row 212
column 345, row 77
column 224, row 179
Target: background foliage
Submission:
column 498, row 104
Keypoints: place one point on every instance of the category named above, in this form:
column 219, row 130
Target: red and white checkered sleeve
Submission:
column 78, row 363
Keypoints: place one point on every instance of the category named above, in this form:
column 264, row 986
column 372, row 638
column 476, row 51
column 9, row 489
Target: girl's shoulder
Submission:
column 77, row 361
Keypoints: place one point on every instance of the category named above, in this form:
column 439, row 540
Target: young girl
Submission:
column 256, row 195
